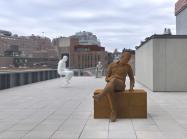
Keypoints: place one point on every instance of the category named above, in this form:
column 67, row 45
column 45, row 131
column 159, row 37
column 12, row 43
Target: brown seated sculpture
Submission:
column 115, row 78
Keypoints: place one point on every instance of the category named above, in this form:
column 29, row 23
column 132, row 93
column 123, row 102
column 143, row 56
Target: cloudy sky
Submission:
column 117, row 23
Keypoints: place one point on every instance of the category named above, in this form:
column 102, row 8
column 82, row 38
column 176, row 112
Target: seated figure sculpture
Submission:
column 115, row 78
column 62, row 70
column 99, row 70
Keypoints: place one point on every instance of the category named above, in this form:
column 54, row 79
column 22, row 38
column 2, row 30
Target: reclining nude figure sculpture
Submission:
column 62, row 70
column 115, row 78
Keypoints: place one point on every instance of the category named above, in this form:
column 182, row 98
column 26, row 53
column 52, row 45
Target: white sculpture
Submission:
column 99, row 70
column 62, row 70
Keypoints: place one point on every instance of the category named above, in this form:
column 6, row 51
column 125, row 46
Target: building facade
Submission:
column 161, row 63
column 181, row 17
column 161, row 59
column 86, row 38
column 80, row 56
column 26, row 47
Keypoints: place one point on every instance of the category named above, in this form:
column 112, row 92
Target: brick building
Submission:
column 181, row 17
column 80, row 56
column 27, row 47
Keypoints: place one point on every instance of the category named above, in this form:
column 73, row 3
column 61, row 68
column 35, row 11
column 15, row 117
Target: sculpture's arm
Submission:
column 131, row 77
column 108, row 74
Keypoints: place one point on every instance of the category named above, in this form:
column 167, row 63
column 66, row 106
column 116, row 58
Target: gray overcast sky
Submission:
column 117, row 23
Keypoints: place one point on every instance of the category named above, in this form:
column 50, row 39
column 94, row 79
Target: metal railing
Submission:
column 9, row 79
column 87, row 72
column 18, row 78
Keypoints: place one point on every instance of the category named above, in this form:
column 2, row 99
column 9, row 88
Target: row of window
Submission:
column 86, row 61
column 83, row 49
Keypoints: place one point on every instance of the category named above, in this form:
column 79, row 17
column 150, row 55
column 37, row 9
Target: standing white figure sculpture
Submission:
column 99, row 70
column 62, row 70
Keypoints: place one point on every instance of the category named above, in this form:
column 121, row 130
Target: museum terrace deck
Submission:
column 49, row 110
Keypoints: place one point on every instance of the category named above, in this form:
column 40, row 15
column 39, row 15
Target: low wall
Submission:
column 18, row 78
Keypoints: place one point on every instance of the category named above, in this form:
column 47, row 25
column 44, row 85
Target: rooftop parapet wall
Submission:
column 160, row 36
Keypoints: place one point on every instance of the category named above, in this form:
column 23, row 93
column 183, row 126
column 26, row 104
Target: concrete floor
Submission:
column 49, row 110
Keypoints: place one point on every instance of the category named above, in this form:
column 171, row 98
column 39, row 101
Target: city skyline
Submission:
column 117, row 24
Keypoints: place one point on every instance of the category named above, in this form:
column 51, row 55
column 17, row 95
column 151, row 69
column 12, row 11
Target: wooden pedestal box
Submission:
column 129, row 105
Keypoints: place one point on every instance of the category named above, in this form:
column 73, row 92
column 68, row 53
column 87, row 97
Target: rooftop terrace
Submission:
column 47, row 109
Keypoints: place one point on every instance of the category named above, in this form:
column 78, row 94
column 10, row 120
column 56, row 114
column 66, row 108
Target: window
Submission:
column 88, row 60
column 83, row 61
column 91, row 60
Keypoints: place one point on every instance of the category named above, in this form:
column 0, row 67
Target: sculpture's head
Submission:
column 125, row 57
column 99, row 62
column 65, row 58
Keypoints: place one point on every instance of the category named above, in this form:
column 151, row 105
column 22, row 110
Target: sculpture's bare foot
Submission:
column 113, row 116
column 97, row 97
